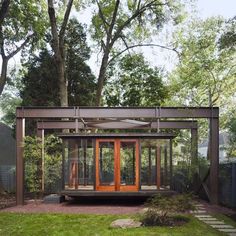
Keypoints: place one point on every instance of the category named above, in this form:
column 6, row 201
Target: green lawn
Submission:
column 64, row 224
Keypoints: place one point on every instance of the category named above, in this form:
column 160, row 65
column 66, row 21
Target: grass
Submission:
column 84, row 224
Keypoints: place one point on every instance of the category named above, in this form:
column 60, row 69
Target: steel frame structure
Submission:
column 150, row 115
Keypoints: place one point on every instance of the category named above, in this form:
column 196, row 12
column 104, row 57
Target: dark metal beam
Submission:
column 119, row 112
column 177, row 124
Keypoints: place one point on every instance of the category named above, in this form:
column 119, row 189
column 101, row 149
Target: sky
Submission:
column 205, row 8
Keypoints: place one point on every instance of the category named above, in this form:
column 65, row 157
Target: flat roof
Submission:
column 117, row 135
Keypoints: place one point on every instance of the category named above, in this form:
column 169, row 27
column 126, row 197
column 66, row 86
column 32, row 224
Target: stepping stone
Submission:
column 232, row 234
column 214, row 222
column 125, row 223
column 228, row 230
column 222, row 226
column 208, row 219
column 198, row 212
column 203, row 216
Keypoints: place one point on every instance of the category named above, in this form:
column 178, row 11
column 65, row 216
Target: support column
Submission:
column 40, row 135
column 20, row 134
column 165, row 176
column 149, row 166
column 171, row 181
column 194, row 159
column 158, row 166
column 214, row 160
column 194, row 146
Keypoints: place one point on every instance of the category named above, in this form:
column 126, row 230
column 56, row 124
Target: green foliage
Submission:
column 135, row 26
column 205, row 70
column 32, row 159
column 135, row 83
column 163, row 209
column 23, row 19
column 9, row 100
column 33, row 163
column 53, row 162
column 231, row 125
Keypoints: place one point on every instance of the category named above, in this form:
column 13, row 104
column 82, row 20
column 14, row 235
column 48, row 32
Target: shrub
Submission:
column 162, row 210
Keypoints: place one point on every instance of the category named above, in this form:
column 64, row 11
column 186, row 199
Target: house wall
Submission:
column 7, row 158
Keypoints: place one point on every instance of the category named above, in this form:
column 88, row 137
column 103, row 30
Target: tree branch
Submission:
column 114, row 16
column 105, row 23
column 53, row 23
column 142, row 45
column 138, row 12
column 65, row 20
column 12, row 54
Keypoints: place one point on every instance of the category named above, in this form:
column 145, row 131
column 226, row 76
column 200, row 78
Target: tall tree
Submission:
column 206, row 74
column 58, row 46
column 135, row 83
column 40, row 87
column 129, row 23
column 21, row 22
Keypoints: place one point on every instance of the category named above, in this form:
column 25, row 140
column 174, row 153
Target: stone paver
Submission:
column 228, row 230
column 222, row 226
column 207, row 219
column 214, row 222
column 125, row 223
column 201, row 214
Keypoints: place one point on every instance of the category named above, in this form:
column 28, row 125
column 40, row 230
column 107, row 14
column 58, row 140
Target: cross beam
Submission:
column 113, row 124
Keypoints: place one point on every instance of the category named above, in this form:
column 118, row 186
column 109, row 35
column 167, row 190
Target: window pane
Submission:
column 106, row 163
column 127, row 163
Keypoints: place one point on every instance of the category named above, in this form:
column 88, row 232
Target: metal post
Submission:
column 20, row 134
column 194, row 146
column 85, row 161
column 194, row 158
column 171, row 181
column 158, row 166
column 149, row 166
column 43, row 160
column 214, row 160
column 165, row 167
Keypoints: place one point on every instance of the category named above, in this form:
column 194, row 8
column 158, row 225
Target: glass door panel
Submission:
column 127, row 163
column 106, row 163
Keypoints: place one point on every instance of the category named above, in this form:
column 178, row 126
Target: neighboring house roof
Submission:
column 7, row 146
column 223, row 140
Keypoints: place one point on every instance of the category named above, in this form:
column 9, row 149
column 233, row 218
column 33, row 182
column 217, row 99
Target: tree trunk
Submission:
column 3, row 78
column 62, row 82
column 101, row 78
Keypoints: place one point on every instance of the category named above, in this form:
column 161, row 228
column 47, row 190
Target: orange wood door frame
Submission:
column 100, row 187
column 135, row 187
column 117, row 186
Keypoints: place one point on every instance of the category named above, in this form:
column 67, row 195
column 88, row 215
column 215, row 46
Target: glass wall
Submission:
column 155, row 164
column 78, row 164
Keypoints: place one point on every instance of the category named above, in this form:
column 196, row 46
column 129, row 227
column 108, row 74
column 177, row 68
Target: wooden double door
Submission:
column 117, row 165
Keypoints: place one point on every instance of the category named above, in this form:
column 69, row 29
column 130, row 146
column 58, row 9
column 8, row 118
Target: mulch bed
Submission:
column 71, row 207
column 7, row 200
column 7, row 204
